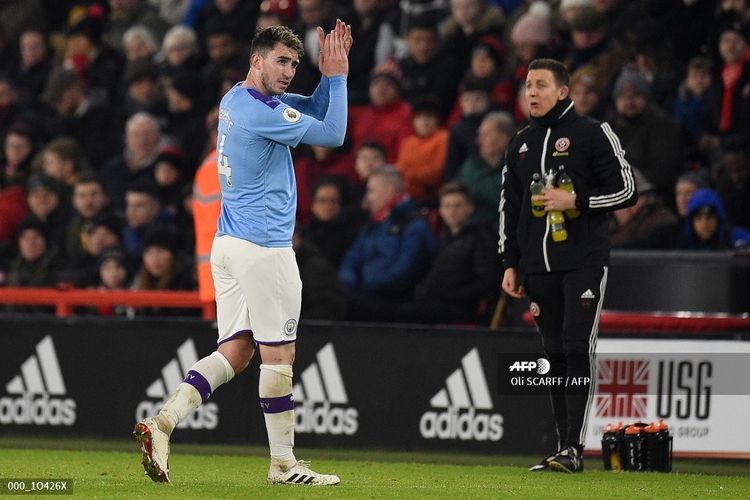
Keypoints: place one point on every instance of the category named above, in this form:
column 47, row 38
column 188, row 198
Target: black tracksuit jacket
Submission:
column 603, row 181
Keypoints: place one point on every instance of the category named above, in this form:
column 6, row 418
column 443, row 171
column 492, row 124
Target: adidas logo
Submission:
column 205, row 416
column 320, row 398
column 466, row 392
column 35, row 389
column 588, row 294
column 524, row 148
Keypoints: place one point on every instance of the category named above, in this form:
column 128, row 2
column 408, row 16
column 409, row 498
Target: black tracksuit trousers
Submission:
column 566, row 306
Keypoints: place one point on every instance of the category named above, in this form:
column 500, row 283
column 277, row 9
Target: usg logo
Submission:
column 321, row 400
column 38, row 392
column 541, row 366
column 205, row 416
column 466, row 405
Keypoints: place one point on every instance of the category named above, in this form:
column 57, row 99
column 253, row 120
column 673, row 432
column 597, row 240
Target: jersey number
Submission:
column 223, row 161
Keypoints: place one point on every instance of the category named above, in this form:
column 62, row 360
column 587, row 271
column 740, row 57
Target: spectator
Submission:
column 95, row 61
column 18, row 147
column 422, row 69
column 89, row 201
column 634, row 226
column 185, row 117
column 733, row 184
column 227, row 59
column 37, row 263
column 706, row 226
column 586, row 92
column 10, row 107
column 696, row 102
column 62, row 161
column 143, row 142
column 162, row 269
column 125, row 14
column 138, row 43
column 35, row 65
column 375, row 44
column 421, row 155
column 387, row 119
column 237, row 15
column 469, row 21
column 323, row 295
column 143, row 211
column 482, row 174
column 170, row 176
column 474, row 99
column 101, row 232
column 591, row 44
column 81, row 114
column 50, row 206
column 333, row 223
column 531, row 37
column 734, row 116
column 687, row 184
column 180, row 51
column 369, row 157
column 317, row 162
column 390, row 254
column 142, row 92
column 113, row 275
column 651, row 138
column 488, row 67
column 464, row 272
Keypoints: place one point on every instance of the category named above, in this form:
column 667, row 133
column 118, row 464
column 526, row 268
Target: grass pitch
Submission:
column 102, row 469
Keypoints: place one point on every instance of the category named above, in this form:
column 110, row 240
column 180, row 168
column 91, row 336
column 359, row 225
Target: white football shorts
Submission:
column 258, row 290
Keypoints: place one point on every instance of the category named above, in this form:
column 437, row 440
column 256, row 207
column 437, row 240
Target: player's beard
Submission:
column 273, row 86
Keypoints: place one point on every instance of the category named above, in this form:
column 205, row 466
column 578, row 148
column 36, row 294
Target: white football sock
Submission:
column 201, row 380
column 275, row 391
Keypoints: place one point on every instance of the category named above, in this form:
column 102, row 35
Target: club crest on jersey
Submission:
column 561, row 146
column 534, row 309
column 291, row 115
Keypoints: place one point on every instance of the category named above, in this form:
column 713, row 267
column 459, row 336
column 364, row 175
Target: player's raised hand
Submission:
column 334, row 60
column 345, row 30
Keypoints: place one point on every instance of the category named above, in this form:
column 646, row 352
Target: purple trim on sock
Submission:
column 235, row 335
column 277, row 405
column 200, row 383
column 282, row 342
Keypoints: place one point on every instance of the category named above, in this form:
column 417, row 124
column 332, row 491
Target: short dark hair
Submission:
column 265, row 40
column 375, row 146
column 454, row 187
column 558, row 69
column 89, row 177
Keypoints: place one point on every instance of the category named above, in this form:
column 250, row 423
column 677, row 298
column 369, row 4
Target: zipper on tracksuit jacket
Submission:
column 546, row 230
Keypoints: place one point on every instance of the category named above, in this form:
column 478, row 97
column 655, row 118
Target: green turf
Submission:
column 239, row 472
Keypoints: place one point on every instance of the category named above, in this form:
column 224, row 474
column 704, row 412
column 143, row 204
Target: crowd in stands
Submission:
column 108, row 108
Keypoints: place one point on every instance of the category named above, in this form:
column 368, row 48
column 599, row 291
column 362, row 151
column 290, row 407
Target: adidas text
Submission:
column 37, row 410
column 452, row 424
column 205, row 416
column 321, row 418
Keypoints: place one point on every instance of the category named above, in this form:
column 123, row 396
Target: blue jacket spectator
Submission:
column 391, row 253
column 706, row 225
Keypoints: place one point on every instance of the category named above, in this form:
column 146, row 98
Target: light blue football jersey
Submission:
column 256, row 174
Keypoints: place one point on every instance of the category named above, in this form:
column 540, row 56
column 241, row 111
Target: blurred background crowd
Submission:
column 108, row 113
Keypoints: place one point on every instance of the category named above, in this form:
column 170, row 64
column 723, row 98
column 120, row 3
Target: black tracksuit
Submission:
column 565, row 281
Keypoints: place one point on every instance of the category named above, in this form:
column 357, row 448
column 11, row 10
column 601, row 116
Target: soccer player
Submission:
column 258, row 288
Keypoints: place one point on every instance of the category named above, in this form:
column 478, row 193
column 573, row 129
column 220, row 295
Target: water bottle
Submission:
column 633, row 448
column 555, row 218
column 611, row 450
column 565, row 182
column 665, row 440
column 654, row 445
column 537, row 188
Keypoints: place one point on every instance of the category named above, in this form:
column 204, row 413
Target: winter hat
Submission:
column 89, row 24
column 173, row 156
column 533, row 27
column 189, row 84
column 42, row 181
column 113, row 253
column 161, row 237
column 493, row 47
column 31, row 222
column 632, row 81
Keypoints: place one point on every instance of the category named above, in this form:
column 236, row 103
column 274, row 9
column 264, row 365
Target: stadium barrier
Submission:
column 369, row 386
